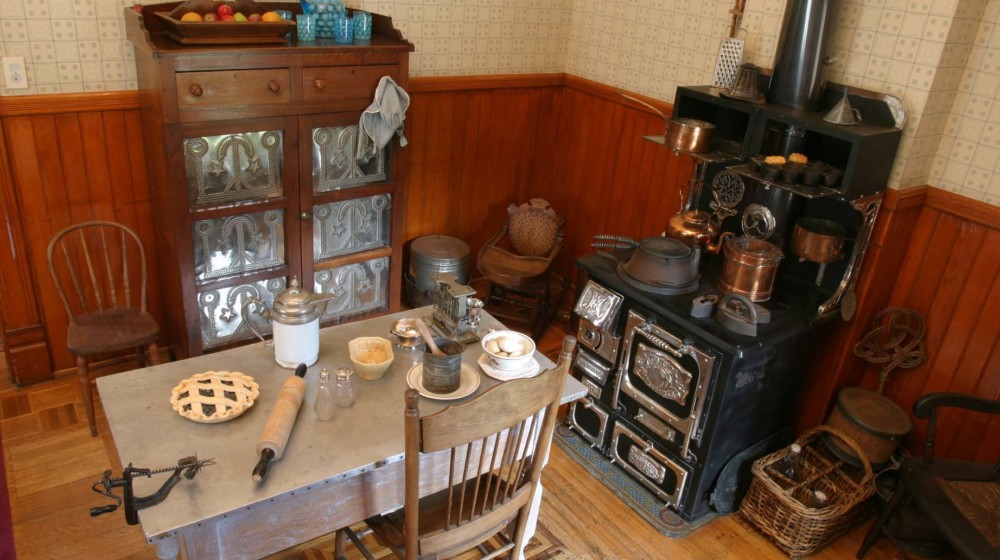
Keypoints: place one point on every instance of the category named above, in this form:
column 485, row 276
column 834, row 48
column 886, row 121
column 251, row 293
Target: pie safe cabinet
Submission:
column 258, row 175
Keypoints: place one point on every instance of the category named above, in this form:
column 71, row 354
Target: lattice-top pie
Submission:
column 214, row 396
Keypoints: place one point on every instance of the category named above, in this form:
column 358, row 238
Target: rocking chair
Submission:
column 519, row 286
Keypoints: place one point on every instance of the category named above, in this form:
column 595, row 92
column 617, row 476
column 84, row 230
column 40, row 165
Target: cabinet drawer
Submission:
column 344, row 82
column 232, row 87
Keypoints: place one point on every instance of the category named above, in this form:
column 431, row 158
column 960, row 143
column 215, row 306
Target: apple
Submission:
column 224, row 10
column 137, row 7
column 238, row 16
column 210, row 17
column 226, row 17
column 253, row 17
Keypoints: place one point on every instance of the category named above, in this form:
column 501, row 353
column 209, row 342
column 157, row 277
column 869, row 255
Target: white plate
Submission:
column 467, row 385
column 529, row 370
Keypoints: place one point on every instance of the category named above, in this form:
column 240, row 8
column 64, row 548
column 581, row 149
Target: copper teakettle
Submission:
column 697, row 228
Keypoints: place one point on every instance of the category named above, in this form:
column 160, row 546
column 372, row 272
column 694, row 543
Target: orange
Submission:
column 191, row 16
column 270, row 16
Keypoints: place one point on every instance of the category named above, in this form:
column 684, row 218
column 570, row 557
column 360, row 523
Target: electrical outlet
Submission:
column 14, row 73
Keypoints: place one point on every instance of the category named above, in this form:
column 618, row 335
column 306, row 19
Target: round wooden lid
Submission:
column 873, row 412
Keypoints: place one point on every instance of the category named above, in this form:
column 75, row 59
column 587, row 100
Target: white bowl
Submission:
column 508, row 350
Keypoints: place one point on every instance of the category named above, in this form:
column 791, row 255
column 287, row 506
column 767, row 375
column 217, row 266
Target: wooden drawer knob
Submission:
column 195, row 90
column 319, row 83
column 274, row 86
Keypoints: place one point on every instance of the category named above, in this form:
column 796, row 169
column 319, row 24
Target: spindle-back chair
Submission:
column 103, row 266
column 495, row 446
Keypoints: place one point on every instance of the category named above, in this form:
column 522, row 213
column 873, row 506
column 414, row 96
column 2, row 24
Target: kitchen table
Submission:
column 332, row 474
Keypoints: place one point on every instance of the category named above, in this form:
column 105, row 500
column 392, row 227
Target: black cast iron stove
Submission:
column 680, row 403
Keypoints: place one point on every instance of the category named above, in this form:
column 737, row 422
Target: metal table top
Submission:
column 148, row 433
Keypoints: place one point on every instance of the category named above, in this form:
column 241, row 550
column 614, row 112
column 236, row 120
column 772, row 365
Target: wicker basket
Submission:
column 773, row 503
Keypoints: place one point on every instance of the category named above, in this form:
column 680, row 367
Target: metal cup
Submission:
column 443, row 374
column 475, row 311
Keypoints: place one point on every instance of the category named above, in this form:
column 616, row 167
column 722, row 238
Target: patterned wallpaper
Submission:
column 941, row 57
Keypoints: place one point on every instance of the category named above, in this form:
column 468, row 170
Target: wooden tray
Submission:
column 224, row 33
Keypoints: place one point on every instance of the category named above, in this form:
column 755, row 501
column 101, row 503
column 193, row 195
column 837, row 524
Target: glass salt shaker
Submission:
column 324, row 404
column 344, row 392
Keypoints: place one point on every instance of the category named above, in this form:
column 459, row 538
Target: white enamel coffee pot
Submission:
column 294, row 320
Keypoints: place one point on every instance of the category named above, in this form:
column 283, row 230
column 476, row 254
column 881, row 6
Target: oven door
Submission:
column 666, row 376
column 649, row 465
column 589, row 419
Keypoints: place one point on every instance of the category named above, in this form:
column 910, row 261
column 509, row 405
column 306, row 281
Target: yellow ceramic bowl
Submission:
column 371, row 356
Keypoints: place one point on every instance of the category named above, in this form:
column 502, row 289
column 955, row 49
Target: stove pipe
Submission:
column 799, row 75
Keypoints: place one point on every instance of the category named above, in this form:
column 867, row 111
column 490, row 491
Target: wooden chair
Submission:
column 495, row 447
column 101, row 262
column 521, row 286
column 960, row 499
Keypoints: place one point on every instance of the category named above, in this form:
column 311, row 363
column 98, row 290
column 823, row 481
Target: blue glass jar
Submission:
column 362, row 26
column 343, row 30
column 326, row 13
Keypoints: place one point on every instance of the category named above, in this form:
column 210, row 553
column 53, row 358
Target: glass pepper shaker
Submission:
column 344, row 392
column 324, row 406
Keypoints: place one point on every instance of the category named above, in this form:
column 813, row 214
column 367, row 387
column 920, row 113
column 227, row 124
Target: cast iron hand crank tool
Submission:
column 189, row 466
column 271, row 445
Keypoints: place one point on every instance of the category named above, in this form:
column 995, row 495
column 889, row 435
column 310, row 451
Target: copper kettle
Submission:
column 697, row 228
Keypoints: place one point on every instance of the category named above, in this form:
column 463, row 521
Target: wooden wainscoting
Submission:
column 938, row 253
column 481, row 144
column 67, row 159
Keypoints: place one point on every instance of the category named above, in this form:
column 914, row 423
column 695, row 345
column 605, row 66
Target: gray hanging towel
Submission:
column 383, row 118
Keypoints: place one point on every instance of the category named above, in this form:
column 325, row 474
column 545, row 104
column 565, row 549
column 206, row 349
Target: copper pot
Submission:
column 749, row 267
column 818, row 240
column 688, row 135
column 663, row 261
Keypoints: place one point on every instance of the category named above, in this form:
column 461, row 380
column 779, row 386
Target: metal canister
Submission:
column 443, row 374
column 437, row 254
column 749, row 268
column 432, row 255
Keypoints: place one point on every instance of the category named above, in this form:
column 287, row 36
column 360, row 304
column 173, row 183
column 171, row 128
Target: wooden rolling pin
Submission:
column 271, row 445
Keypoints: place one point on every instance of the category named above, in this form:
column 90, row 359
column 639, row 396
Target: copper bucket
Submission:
column 749, row 268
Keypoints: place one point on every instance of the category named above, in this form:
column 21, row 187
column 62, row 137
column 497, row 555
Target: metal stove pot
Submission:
column 664, row 261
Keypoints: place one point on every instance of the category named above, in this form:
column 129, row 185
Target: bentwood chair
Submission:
column 103, row 266
column 491, row 450
column 959, row 499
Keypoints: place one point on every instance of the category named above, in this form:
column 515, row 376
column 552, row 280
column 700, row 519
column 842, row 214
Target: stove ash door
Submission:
column 650, row 465
column 666, row 376
column 589, row 419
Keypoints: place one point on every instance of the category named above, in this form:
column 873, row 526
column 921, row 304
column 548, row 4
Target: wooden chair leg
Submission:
column 339, row 545
column 88, row 397
column 154, row 353
column 883, row 518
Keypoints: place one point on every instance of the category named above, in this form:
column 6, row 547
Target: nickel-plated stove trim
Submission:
column 599, row 306
column 592, row 368
column 649, row 465
column 603, row 343
column 666, row 347
column 587, row 405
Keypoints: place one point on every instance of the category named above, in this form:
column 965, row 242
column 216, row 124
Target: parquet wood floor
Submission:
column 51, row 462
